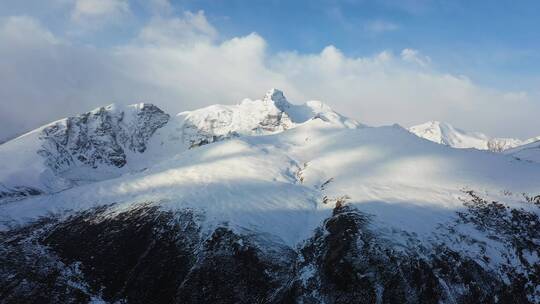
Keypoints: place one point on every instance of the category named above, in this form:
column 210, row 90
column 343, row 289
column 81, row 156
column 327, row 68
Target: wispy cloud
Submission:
column 380, row 26
column 188, row 28
column 414, row 7
column 414, row 56
column 161, row 6
column 96, row 13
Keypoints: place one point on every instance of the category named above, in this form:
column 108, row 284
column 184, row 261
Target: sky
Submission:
column 474, row 64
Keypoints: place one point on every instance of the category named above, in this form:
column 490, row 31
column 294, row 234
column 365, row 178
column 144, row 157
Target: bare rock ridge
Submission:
column 102, row 137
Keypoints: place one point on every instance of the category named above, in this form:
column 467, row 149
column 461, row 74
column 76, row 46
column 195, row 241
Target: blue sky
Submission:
column 477, row 38
column 427, row 59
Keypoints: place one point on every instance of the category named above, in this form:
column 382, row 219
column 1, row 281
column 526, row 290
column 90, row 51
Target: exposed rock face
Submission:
column 235, row 269
column 502, row 144
column 148, row 255
column 277, row 97
column 89, row 147
column 17, row 192
column 101, row 137
column 251, row 117
column 345, row 262
column 140, row 256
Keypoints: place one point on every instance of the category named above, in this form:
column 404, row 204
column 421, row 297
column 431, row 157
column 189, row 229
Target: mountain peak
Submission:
column 435, row 124
column 277, row 97
column 444, row 133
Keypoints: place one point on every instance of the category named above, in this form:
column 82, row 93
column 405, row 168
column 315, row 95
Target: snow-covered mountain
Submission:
column 446, row 134
column 261, row 202
column 113, row 140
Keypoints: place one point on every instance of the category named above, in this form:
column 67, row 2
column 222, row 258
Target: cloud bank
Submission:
column 181, row 63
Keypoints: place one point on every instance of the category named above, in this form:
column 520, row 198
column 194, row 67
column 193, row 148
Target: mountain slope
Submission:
column 529, row 151
column 313, row 210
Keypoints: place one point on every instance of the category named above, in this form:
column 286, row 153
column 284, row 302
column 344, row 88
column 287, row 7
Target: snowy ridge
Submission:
column 446, row 134
column 529, row 151
column 114, row 140
column 270, row 115
column 315, row 160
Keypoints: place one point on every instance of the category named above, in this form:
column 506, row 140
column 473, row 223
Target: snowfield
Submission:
column 527, row 152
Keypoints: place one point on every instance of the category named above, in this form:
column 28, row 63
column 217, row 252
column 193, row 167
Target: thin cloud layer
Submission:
column 181, row 63
column 93, row 12
column 187, row 29
column 381, row 26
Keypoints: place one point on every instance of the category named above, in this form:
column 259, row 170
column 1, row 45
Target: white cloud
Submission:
column 178, row 30
column 24, row 30
column 414, row 56
column 181, row 63
column 94, row 13
column 44, row 78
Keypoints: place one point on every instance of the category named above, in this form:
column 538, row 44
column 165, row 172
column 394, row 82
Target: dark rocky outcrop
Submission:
column 346, row 262
column 144, row 255
column 234, row 269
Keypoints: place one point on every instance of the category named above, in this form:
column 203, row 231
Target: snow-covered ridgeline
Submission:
column 446, row 134
column 113, row 140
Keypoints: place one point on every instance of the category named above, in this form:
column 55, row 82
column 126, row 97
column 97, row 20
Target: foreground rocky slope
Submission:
column 298, row 205
column 146, row 255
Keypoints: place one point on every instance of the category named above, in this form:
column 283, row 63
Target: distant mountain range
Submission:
column 446, row 134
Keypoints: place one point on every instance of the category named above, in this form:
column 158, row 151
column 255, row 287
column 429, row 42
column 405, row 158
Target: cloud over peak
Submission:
column 181, row 63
